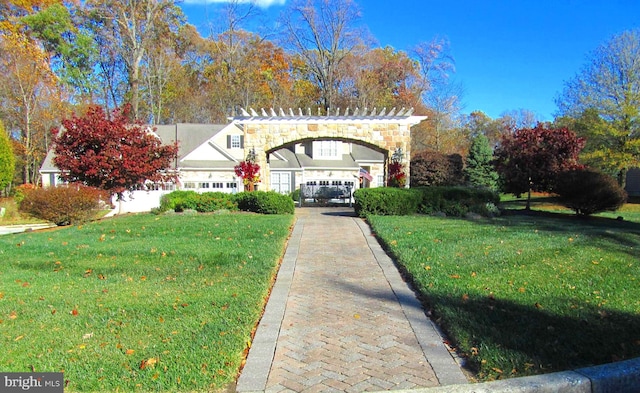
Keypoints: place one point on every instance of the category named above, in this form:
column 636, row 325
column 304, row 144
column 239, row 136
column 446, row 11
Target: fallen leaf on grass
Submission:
column 18, row 338
column 129, row 351
column 74, row 312
column 151, row 362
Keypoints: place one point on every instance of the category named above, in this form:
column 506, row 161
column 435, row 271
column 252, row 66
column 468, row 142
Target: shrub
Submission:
column 63, row 205
column 265, row 202
column 432, row 168
column 453, row 201
column 386, row 201
column 587, row 192
column 214, row 201
column 458, row 201
column 295, row 195
column 179, row 201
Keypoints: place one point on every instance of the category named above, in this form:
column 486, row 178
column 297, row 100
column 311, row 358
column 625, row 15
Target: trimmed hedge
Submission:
column 207, row 202
column 256, row 201
column 452, row 201
column 62, row 205
column 387, row 201
column 265, row 202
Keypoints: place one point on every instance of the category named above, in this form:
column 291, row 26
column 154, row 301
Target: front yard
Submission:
column 526, row 294
column 138, row 303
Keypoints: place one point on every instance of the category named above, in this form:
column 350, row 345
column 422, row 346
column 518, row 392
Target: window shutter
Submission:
column 228, row 141
column 242, row 141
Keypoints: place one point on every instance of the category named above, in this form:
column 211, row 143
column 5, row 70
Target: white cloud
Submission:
column 259, row 3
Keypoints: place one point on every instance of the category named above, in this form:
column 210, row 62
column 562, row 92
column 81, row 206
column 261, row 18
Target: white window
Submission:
column 327, row 149
column 235, row 142
column 281, row 182
column 204, row 185
column 380, row 180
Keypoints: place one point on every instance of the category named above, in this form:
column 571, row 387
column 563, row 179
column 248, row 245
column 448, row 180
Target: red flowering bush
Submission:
column 249, row 172
column 397, row 177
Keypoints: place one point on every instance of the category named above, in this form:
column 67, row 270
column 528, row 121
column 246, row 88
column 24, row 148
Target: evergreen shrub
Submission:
column 387, row 201
column 179, row 201
column 587, row 192
column 265, row 202
column 208, row 202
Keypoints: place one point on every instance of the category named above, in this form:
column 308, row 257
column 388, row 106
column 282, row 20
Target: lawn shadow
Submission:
column 606, row 231
column 537, row 340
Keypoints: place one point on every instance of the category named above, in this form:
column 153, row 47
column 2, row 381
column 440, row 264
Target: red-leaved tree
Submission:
column 530, row 159
column 112, row 154
column 248, row 171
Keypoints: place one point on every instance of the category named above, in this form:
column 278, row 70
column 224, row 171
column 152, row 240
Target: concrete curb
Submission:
column 619, row 377
column 8, row 229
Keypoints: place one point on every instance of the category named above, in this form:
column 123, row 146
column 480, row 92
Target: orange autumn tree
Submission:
column 31, row 97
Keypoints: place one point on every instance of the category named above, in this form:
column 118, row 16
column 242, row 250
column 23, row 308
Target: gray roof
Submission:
column 190, row 136
column 290, row 157
column 47, row 164
column 364, row 153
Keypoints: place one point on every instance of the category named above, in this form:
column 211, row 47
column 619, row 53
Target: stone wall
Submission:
column 382, row 133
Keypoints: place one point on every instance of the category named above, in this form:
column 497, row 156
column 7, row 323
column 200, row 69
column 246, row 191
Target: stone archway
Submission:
column 387, row 131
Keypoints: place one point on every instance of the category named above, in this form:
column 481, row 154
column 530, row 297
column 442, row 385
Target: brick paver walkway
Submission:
column 349, row 323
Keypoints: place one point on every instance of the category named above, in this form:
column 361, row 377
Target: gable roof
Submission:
column 189, row 136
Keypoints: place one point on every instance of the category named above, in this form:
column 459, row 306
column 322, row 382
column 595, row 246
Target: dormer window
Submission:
column 235, row 142
column 327, row 149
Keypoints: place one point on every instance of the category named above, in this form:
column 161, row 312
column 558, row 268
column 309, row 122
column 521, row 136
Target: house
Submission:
column 295, row 151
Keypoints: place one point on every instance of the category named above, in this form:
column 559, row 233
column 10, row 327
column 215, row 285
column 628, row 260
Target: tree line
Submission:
column 61, row 57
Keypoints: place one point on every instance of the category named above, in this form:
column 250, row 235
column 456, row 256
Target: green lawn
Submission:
column 138, row 303
column 526, row 294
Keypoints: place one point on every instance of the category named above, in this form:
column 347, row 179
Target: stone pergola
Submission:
column 387, row 132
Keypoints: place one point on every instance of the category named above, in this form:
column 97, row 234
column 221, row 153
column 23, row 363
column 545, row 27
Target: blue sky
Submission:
column 509, row 54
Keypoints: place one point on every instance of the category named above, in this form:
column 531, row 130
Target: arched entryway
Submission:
column 383, row 132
